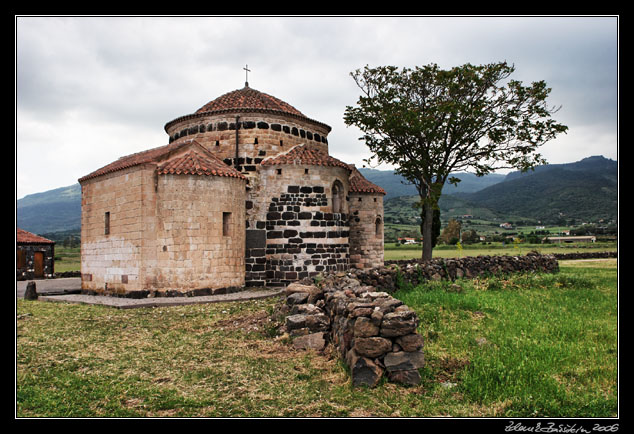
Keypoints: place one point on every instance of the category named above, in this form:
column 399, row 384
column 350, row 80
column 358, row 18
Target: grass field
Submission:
column 412, row 251
column 68, row 259
column 522, row 346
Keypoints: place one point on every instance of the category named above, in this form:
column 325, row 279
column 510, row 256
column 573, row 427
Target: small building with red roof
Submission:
column 245, row 193
column 35, row 256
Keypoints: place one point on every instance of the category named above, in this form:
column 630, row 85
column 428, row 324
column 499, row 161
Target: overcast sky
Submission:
column 92, row 89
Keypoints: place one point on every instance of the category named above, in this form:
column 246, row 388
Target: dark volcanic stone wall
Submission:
column 296, row 238
column 414, row 271
column 374, row 333
column 303, row 243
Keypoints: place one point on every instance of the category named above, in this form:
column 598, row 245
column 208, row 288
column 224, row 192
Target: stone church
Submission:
column 245, row 193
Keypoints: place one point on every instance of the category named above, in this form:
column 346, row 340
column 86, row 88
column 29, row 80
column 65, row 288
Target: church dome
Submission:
column 248, row 99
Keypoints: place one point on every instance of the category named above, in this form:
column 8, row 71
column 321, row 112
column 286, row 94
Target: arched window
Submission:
column 337, row 197
column 378, row 227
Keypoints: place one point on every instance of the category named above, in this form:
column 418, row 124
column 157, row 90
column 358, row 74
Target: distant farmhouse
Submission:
column 244, row 194
column 409, row 240
column 35, row 256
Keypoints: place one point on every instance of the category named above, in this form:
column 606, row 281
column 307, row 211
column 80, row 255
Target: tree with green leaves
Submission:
column 469, row 237
column 451, row 233
column 430, row 122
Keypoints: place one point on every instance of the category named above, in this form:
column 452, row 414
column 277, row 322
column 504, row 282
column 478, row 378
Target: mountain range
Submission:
column 395, row 185
column 51, row 211
column 585, row 190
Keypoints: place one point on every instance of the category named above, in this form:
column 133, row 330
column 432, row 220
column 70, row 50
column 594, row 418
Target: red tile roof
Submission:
column 195, row 163
column 304, row 155
column 155, row 155
column 358, row 183
column 133, row 160
column 24, row 237
column 247, row 98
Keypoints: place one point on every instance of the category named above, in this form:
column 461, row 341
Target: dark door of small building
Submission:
column 38, row 264
column 21, row 254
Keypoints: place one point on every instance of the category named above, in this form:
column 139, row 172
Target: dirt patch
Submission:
column 255, row 322
column 449, row 368
column 478, row 315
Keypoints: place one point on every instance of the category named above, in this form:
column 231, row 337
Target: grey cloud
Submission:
column 141, row 72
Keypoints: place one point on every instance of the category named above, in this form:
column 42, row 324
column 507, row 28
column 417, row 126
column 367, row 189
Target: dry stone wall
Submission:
column 372, row 331
column 585, row 255
column 415, row 272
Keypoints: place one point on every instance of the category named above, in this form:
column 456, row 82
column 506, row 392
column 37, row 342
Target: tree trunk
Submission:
column 427, row 226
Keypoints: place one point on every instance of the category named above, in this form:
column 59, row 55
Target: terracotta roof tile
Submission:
column 133, row 160
column 194, row 163
column 156, row 155
column 247, row 98
column 25, row 237
column 304, row 155
column 359, row 184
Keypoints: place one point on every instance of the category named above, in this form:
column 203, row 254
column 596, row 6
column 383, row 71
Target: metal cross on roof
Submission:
column 246, row 79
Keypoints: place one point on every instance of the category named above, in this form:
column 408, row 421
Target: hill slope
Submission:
column 586, row 191
column 395, row 185
column 51, row 211
column 596, row 164
column 401, row 210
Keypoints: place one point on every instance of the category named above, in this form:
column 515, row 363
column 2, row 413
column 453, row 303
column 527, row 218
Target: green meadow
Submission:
column 526, row 345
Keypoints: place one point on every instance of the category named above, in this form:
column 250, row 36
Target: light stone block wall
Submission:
column 366, row 230
column 109, row 260
column 190, row 249
column 165, row 232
